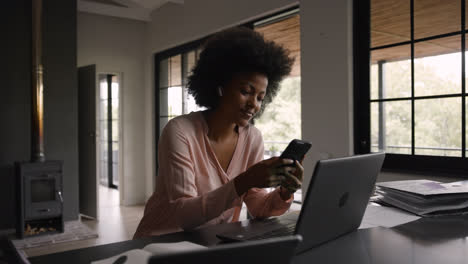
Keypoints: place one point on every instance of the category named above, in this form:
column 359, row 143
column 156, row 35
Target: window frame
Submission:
column 157, row 58
column 362, row 100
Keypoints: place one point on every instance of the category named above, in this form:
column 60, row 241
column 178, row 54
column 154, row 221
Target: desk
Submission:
column 425, row 241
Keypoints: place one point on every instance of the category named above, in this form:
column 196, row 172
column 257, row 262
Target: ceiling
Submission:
column 288, row 34
column 133, row 9
column 391, row 24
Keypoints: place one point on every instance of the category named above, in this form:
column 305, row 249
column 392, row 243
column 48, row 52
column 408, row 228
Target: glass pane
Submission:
column 115, row 109
column 466, row 60
column 115, row 79
column 374, row 127
column 390, row 22
column 163, row 102
column 189, row 61
column 466, row 13
column 103, row 175
column 396, row 71
column 103, row 109
column 374, row 81
column 115, row 130
column 115, row 152
column 164, row 73
column 115, row 174
column 438, row 127
column 115, row 97
column 278, row 127
column 115, row 91
column 396, row 53
column 433, row 18
column 104, row 150
column 274, row 148
column 170, row 101
column 191, row 105
column 437, row 67
column 175, row 71
column 103, row 89
column 174, row 101
column 103, row 130
column 394, row 124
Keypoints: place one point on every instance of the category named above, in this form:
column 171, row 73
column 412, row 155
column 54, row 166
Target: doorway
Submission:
column 109, row 129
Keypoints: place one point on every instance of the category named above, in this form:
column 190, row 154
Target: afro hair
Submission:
column 232, row 51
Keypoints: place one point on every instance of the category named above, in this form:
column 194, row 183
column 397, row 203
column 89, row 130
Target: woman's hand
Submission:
column 269, row 173
column 291, row 185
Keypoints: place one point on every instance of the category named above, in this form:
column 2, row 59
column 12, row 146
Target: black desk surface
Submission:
column 427, row 240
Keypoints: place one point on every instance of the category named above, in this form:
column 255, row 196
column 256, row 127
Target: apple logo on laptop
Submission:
column 343, row 199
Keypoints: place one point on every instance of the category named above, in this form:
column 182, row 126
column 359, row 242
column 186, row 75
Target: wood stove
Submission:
column 38, row 182
column 39, row 196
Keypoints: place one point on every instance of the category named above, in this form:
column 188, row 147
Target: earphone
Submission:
column 220, row 90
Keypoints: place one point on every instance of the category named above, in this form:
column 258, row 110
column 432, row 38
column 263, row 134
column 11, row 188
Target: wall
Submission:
column 117, row 45
column 325, row 62
column 60, row 98
column 326, row 65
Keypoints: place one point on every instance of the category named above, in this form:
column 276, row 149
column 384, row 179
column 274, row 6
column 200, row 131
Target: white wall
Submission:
column 117, row 45
column 326, row 54
column 326, row 81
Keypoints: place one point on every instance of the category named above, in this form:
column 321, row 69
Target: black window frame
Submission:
column 158, row 57
column 457, row 166
column 109, row 120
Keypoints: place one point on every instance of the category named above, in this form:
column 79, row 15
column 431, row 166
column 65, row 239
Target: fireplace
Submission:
column 40, row 202
column 38, row 182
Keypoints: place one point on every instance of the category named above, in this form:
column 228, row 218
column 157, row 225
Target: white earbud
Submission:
column 220, row 91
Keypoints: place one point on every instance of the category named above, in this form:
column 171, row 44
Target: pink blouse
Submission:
column 192, row 189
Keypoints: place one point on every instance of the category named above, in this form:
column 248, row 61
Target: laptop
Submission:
column 334, row 204
column 273, row 251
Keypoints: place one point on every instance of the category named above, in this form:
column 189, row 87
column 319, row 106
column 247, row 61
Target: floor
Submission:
column 116, row 223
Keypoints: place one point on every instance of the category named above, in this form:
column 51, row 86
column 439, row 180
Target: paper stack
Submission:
column 425, row 197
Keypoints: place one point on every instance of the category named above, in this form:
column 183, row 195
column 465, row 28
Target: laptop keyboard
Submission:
column 283, row 231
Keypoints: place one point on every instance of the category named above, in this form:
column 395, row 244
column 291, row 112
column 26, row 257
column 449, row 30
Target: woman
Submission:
column 210, row 162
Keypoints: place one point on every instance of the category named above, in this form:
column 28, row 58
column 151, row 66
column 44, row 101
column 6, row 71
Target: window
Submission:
column 174, row 99
column 281, row 121
column 415, row 106
column 109, row 129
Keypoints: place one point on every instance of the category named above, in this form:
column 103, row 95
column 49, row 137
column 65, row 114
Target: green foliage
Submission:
column 437, row 121
column 281, row 121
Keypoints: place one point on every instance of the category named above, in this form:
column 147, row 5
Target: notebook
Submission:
column 334, row 204
column 272, row 251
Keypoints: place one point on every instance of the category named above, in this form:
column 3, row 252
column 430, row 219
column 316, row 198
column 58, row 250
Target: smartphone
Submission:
column 296, row 150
